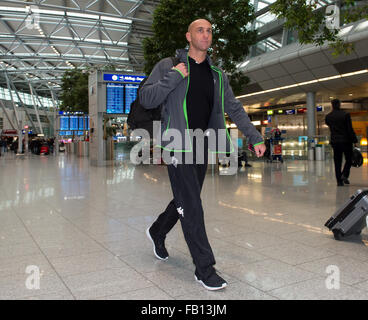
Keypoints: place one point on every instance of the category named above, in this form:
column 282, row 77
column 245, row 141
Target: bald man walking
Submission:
column 194, row 95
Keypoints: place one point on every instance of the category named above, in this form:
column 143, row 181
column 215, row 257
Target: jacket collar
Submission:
column 182, row 55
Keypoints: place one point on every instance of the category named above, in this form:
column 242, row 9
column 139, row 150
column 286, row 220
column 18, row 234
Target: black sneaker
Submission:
column 214, row 282
column 340, row 183
column 158, row 246
column 345, row 180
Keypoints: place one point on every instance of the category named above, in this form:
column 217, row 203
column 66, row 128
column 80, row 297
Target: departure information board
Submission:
column 130, row 95
column 119, row 97
column 115, row 98
column 74, row 123
column 64, row 123
column 86, row 123
column 81, row 123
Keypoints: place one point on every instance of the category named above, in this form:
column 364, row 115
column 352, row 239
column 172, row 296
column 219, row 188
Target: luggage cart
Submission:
column 276, row 149
column 274, row 146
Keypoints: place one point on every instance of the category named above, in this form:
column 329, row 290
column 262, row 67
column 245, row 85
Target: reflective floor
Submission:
column 72, row 231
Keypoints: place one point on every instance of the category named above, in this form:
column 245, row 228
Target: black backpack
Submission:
column 142, row 118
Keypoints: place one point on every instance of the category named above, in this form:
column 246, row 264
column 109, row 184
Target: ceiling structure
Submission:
column 284, row 76
column 282, row 71
column 41, row 39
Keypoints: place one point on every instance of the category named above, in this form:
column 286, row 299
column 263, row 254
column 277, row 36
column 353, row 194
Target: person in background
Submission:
column 3, row 144
column 342, row 139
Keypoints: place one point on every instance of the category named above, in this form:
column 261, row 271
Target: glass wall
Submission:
column 26, row 98
column 272, row 43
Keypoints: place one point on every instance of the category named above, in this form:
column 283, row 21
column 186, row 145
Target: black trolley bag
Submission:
column 351, row 217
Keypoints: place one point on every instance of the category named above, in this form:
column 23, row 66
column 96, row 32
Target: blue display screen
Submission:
column 115, row 98
column 130, row 95
column 81, row 124
column 74, row 123
column 86, row 121
column 64, row 123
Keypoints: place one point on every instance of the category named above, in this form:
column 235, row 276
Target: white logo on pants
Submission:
column 181, row 211
column 174, row 161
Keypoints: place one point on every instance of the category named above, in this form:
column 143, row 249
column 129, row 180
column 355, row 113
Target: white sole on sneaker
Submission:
column 210, row 288
column 153, row 244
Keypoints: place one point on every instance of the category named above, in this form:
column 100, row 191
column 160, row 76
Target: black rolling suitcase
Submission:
column 351, row 217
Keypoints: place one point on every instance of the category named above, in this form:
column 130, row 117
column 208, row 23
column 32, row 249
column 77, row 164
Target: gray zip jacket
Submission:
column 169, row 87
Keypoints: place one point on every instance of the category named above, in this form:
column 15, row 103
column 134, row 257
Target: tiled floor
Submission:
column 83, row 229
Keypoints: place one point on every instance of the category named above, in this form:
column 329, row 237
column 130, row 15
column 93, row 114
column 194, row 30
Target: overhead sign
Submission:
column 302, row 110
column 111, row 77
column 9, row 132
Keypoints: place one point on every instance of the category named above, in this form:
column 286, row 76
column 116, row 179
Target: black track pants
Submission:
column 186, row 183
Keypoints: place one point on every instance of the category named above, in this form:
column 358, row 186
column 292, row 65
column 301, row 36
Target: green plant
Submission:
column 74, row 96
column 232, row 37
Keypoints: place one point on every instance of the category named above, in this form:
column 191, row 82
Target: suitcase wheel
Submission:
column 337, row 234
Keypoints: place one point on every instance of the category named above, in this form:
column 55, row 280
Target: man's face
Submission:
column 199, row 35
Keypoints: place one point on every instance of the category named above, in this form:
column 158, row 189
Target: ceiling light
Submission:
column 116, row 19
column 13, row 9
column 83, row 15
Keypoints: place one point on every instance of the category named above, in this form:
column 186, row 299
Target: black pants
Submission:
column 186, row 183
column 339, row 149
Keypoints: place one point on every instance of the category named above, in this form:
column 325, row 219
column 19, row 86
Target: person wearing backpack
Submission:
column 342, row 139
column 194, row 94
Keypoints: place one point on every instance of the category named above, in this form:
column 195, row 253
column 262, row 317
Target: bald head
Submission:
column 196, row 22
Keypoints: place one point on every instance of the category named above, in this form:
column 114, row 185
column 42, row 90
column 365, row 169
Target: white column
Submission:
column 311, row 123
column 311, row 114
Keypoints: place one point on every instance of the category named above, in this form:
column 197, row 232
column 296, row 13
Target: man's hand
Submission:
column 259, row 150
column 182, row 68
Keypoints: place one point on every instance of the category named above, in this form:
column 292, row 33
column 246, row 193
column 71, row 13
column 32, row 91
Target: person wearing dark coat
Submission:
column 342, row 139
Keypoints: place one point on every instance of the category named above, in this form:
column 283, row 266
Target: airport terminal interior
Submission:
column 74, row 208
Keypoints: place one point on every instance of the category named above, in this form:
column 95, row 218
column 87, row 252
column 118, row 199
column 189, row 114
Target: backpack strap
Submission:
column 175, row 61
